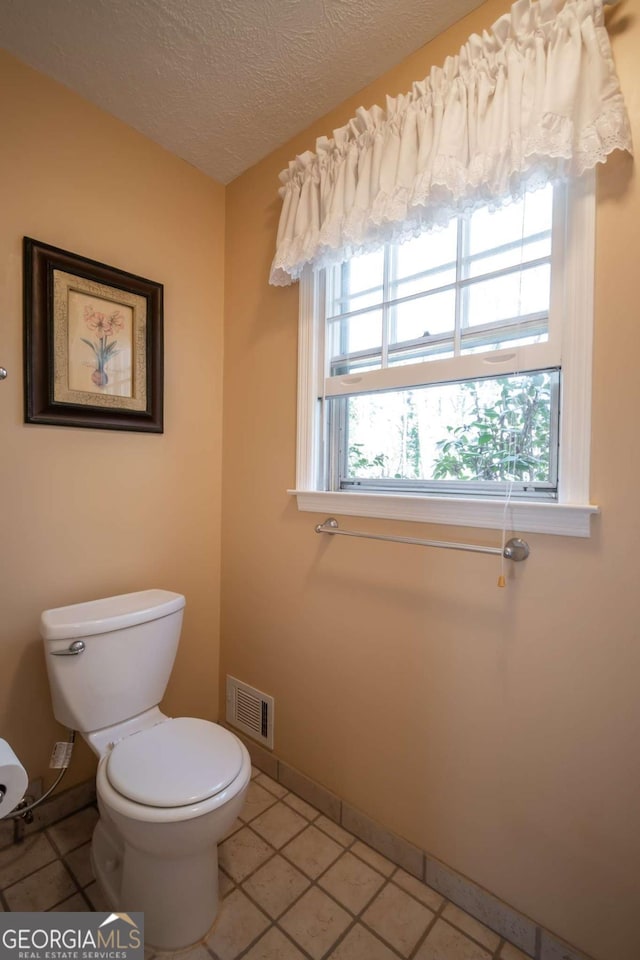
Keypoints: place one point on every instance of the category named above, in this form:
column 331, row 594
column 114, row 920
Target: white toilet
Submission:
column 168, row 789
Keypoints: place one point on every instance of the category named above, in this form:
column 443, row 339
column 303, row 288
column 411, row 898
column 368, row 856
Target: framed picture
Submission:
column 93, row 343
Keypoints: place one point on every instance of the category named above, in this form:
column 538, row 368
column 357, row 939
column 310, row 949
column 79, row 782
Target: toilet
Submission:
column 168, row 788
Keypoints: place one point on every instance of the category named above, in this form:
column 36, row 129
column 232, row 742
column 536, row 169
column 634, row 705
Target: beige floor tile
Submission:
column 243, row 853
column 334, row 831
column 273, row 946
column 278, row 825
column 235, row 826
column 373, row 858
column 79, row 862
column 300, row 806
column 32, row 879
column 459, row 918
column 315, row 922
column 65, row 804
column 352, row 882
column 427, row 895
column 509, row 952
column 6, row 833
column 271, row 785
column 96, row 897
column 74, row 904
column 398, row 918
column 21, row 859
column 74, row 831
column 256, row 802
column 445, row 943
column 42, row 889
column 360, row 944
column 239, row 923
column 225, row 884
column 275, row 886
column 313, row 851
column 197, row 952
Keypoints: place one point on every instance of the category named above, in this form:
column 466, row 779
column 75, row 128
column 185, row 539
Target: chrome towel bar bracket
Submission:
column 514, row 549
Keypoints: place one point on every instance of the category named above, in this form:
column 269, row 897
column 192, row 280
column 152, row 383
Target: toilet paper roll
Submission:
column 13, row 779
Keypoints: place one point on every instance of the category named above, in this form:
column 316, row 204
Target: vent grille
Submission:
column 250, row 711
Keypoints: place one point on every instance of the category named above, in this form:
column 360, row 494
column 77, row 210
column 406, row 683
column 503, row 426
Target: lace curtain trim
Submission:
column 534, row 99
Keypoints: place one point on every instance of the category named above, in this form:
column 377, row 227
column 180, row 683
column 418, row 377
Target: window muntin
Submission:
column 481, row 289
column 479, row 285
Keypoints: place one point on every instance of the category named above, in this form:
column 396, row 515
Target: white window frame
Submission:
column 570, row 515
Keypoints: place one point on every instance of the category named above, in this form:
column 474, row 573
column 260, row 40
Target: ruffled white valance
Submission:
column 534, row 99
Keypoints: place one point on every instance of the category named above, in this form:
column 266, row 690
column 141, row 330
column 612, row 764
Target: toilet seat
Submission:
column 175, row 763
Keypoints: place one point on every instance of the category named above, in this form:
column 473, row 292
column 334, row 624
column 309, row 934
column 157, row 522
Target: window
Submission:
column 441, row 376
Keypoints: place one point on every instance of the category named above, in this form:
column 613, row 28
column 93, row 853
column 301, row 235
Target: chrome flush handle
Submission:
column 72, row 651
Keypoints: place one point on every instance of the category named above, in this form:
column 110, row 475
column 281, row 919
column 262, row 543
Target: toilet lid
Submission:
column 175, row 763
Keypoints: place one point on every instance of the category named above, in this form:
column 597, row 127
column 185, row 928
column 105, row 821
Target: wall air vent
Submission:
column 250, row 711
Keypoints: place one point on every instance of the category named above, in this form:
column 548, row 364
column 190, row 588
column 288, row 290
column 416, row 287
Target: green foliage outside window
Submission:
column 501, row 433
column 508, row 439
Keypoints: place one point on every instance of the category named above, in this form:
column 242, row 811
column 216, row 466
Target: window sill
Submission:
column 569, row 520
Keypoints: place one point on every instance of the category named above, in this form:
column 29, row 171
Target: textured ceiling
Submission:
column 220, row 83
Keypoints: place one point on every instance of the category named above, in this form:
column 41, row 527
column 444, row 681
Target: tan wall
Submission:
column 497, row 729
column 89, row 513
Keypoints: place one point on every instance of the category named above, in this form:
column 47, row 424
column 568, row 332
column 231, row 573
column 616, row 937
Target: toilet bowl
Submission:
column 168, row 788
column 167, row 795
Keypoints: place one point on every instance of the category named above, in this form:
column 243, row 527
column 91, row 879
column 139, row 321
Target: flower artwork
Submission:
column 93, row 343
column 102, row 327
column 99, row 344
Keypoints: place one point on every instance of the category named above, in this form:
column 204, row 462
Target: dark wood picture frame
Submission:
column 93, row 343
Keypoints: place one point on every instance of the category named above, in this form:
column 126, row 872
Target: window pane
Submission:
column 355, row 334
column 427, row 316
column 433, row 249
column 358, row 284
column 365, row 271
column 498, row 429
column 509, row 296
column 425, row 263
column 511, row 224
column 518, row 233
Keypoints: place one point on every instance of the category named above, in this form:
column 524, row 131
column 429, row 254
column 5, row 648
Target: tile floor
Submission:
column 293, row 886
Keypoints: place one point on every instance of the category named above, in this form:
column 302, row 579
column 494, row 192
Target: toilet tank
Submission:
column 130, row 643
